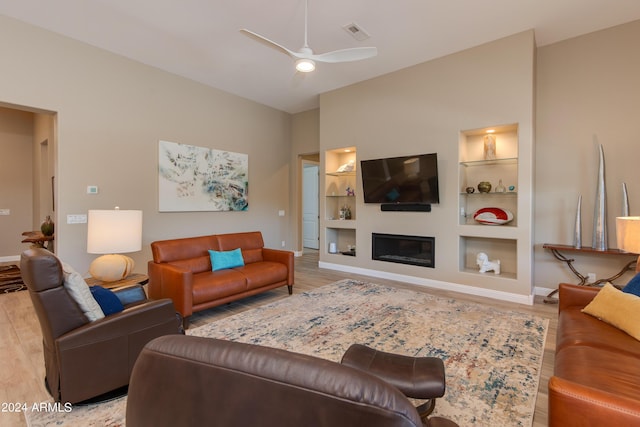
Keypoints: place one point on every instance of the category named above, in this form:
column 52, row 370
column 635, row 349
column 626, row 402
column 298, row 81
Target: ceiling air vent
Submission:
column 356, row 31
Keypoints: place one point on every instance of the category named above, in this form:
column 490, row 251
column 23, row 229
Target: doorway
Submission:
column 310, row 205
column 27, row 159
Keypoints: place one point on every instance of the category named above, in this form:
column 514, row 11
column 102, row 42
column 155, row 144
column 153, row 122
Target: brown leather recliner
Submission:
column 86, row 359
column 189, row 381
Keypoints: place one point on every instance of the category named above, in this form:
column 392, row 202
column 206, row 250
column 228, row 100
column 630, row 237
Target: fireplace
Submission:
column 414, row 250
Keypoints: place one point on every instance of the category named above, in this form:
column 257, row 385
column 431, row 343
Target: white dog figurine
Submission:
column 485, row 265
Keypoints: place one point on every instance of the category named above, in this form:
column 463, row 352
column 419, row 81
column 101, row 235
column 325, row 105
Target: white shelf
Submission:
column 492, row 162
column 341, row 232
column 497, row 241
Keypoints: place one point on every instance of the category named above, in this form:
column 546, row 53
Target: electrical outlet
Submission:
column 283, row 244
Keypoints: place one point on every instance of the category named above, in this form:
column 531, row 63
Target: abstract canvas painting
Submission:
column 194, row 178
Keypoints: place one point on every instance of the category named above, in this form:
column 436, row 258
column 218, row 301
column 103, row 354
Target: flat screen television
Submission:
column 406, row 179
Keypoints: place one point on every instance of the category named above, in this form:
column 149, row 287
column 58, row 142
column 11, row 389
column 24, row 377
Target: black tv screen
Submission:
column 406, row 179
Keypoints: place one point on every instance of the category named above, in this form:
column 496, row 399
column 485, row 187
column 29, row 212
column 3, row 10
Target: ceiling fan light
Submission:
column 305, row 65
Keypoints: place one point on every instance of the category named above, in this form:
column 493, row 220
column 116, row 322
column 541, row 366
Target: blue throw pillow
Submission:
column 107, row 300
column 221, row 260
column 633, row 287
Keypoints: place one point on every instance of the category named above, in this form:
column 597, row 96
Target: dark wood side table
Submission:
column 38, row 239
column 555, row 250
column 132, row 279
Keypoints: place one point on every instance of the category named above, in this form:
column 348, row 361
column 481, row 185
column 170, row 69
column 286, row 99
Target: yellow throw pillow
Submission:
column 616, row 308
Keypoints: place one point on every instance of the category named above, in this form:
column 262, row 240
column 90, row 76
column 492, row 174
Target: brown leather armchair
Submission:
column 86, row 359
column 190, row 381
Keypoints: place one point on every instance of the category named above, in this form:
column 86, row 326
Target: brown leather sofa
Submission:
column 181, row 270
column 190, row 381
column 596, row 378
column 86, row 359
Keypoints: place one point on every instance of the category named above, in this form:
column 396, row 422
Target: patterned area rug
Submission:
column 492, row 358
column 10, row 279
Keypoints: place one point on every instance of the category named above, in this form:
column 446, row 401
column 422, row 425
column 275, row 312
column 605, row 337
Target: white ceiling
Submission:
column 199, row 39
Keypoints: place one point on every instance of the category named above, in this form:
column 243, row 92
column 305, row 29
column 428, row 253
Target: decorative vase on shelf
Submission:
column 500, row 188
column 47, row 227
column 484, row 187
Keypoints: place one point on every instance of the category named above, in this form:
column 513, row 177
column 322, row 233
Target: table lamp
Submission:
column 113, row 232
column 628, row 235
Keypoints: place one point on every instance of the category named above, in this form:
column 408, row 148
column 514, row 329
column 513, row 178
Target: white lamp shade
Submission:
column 628, row 233
column 114, row 231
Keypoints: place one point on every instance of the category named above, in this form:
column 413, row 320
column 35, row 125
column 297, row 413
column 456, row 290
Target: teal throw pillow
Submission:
column 221, row 260
column 633, row 287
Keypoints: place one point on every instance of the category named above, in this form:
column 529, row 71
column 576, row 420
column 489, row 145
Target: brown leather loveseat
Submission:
column 181, row 270
column 596, row 378
column 192, row 381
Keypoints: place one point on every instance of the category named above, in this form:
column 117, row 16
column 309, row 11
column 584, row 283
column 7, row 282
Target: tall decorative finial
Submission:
column 600, row 213
column 625, row 200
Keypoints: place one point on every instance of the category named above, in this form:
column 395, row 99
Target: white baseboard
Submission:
column 436, row 284
column 543, row 291
column 10, row 258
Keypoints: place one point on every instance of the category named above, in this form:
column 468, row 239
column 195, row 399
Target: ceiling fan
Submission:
column 306, row 59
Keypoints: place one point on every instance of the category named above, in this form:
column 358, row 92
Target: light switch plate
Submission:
column 77, row 219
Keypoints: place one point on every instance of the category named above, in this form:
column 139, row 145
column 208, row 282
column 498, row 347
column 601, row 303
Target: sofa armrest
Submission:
column 169, row 281
column 572, row 404
column 575, row 295
column 132, row 319
column 99, row 356
column 284, row 257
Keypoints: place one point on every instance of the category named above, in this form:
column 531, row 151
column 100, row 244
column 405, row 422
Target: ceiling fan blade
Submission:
column 346, row 55
column 269, row 43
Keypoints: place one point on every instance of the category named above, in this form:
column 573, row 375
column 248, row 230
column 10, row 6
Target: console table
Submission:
column 555, row 250
column 38, row 239
column 132, row 279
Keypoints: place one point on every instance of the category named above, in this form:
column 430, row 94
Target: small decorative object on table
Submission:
column 577, row 234
column 485, row 265
column 484, row 187
column 47, row 227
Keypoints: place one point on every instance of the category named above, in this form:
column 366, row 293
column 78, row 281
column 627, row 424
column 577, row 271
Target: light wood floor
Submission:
column 22, row 366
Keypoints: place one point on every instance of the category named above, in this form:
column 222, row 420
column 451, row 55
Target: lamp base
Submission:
column 110, row 268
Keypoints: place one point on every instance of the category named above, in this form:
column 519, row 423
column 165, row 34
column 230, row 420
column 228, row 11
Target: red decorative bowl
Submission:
column 493, row 216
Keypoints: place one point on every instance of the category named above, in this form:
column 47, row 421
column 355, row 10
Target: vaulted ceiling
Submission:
column 200, row 39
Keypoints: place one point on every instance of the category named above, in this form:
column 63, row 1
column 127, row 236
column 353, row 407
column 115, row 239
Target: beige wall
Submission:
column 423, row 109
column 588, row 92
column 111, row 112
column 16, row 179
column 305, row 140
